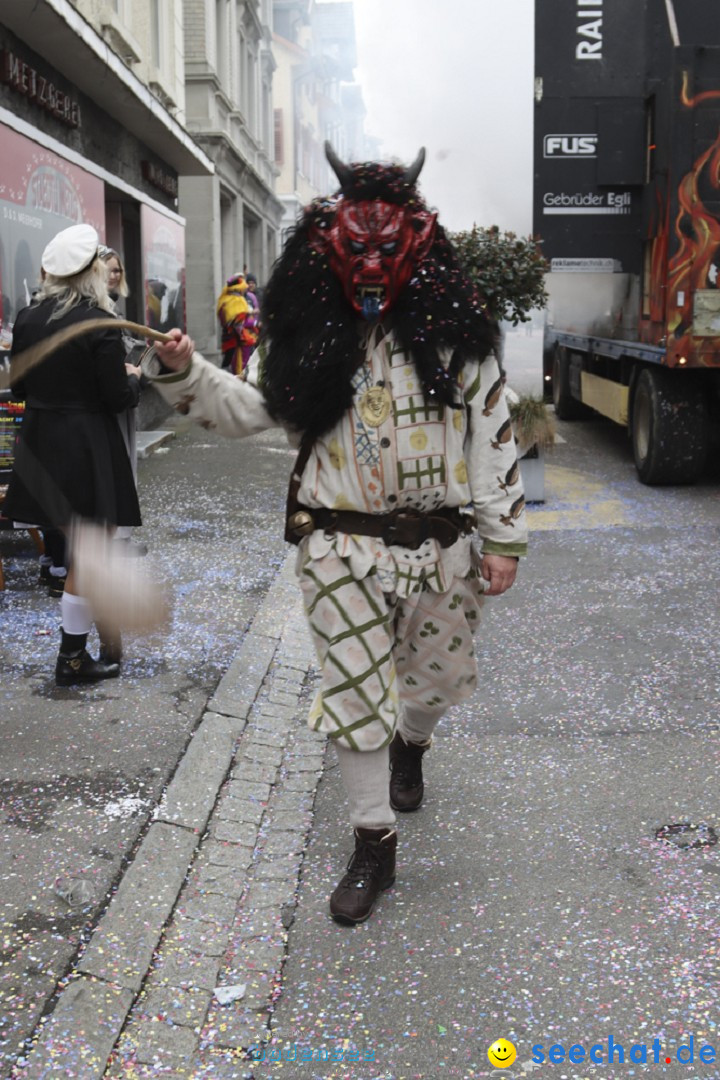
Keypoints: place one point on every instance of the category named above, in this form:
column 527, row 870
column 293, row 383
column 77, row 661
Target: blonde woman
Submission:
column 127, row 419
column 116, row 279
column 71, row 460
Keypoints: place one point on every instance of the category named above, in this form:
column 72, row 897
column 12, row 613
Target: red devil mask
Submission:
column 375, row 243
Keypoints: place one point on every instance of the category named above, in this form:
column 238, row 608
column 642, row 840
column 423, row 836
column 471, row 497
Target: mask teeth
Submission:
column 371, row 307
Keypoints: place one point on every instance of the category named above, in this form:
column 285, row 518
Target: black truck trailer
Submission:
column 627, row 208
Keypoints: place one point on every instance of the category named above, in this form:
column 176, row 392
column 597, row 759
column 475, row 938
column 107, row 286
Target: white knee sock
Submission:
column 366, row 778
column 417, row 726
column 76, row 614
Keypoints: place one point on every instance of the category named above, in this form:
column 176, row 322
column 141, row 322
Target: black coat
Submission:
column 71, row 458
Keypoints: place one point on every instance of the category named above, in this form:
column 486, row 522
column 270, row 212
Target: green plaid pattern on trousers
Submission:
column 378, row 652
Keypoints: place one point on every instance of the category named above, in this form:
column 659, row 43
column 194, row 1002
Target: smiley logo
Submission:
column 501, row 1054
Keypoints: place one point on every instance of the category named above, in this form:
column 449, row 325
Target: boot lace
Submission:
column 408, row 769
column 365, row 862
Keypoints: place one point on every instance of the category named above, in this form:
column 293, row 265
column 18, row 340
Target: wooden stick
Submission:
column 30, row 358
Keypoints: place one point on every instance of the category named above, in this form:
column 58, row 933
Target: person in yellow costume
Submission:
column 233, row 310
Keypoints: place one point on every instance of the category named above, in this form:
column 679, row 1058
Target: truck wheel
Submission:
column 670, row 427
column 566, row 406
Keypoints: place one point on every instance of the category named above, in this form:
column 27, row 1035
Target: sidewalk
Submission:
column 211, row 891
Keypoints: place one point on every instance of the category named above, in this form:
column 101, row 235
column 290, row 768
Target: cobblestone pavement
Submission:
column 208, row 900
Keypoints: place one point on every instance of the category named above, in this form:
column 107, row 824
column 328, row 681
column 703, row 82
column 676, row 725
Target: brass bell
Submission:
column 301, row 523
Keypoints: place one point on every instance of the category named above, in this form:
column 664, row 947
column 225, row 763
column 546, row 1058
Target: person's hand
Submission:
column 500, row 571
column 131, row 369
column 176, row 354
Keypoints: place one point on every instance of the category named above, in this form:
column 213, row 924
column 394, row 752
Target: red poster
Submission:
column 163, row 241
column 40, row 194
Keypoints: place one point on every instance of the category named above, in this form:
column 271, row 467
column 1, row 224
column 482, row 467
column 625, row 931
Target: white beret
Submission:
column 71, row 251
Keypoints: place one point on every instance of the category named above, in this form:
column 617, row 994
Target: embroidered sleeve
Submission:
column 494, row 473
column 212, row 397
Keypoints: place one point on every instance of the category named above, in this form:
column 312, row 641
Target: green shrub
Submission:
column 508, row 270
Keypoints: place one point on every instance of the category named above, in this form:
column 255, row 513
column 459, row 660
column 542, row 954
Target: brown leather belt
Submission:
column 407, row 527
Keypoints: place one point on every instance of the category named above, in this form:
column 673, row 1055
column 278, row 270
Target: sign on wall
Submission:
column 40, row 195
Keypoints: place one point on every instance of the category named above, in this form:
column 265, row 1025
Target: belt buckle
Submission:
column 400, row 518
column 330, row 530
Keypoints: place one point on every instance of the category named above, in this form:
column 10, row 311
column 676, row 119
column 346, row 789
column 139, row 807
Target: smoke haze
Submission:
column 456, row 77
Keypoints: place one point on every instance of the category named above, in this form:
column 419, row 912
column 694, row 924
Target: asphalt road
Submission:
column 534, row 901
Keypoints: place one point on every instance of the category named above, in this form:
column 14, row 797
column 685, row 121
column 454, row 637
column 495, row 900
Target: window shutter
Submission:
column 279, row 143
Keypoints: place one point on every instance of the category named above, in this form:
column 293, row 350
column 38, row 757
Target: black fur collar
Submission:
column 312, row 338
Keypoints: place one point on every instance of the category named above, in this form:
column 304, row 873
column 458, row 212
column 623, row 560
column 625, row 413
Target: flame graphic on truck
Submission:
column 696, row 263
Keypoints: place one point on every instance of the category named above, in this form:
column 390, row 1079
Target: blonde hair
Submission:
column 67, row 292
column 106, row 254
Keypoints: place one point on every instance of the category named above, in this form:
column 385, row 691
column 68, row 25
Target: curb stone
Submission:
column 250, row 858
column 212, row 887
column 149, row 441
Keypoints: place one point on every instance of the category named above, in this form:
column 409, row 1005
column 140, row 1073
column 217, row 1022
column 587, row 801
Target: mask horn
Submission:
column 341, row 170
column 413, row 172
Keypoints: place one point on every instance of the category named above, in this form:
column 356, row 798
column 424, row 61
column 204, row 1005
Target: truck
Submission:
column 626, row 206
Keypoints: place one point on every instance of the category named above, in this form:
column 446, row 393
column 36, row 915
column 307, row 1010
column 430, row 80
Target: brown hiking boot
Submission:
column 406, row 779
column 370, row 871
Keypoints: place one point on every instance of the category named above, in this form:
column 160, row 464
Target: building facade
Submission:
column 91, row 130
column 233, row 217
column 314, row 98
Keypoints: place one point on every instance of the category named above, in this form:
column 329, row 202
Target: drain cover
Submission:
column 686, row 835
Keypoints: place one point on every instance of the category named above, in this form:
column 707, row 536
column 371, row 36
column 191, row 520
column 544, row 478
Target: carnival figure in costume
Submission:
column 376, row 356
column 251, row 327
column 233, row 311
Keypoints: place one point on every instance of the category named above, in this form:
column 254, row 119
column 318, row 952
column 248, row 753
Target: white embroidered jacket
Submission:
column 420, row 455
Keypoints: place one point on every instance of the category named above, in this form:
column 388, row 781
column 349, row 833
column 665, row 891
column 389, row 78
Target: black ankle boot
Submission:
column 370, row 871
column 406, row 778
column 56, row 584
column 75, row 665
